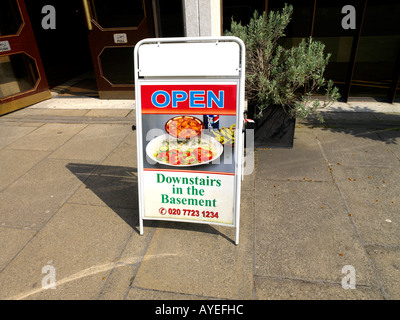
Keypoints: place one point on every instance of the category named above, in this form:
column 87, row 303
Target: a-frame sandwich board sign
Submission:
column 189, row 98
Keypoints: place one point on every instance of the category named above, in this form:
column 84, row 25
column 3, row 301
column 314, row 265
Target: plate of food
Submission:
column 184, row 153
column 184, row 127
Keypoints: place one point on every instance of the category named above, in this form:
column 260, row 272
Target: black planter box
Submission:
column 275, row 129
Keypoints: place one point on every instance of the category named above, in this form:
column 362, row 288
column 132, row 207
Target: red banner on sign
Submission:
column 218, row 99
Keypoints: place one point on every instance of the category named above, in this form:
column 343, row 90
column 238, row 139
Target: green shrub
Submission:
column 280, row 76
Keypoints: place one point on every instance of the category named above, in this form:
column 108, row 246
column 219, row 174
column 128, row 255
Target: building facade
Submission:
column 44, row 43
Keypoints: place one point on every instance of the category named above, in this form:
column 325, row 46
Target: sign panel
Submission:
column 189, row 195
column 188, row 170
column 197, row 57
column 189, row 146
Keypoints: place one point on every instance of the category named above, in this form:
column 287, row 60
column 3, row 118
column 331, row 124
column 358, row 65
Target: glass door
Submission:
column 22, row 79
column 115, row 28
column 376, row 69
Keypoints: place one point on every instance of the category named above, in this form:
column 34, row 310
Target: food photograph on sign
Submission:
column 189, row 141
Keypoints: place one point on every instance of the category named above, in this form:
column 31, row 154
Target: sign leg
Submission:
column 237, row 235
column 141, row 226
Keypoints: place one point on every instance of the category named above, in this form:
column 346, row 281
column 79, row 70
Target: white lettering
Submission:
column 349, row 21
column 172, row 310
column 237, row 309
column 49, row 21
column 203, row 309
column 349, row 281
column 49, row 280
column 220, row 309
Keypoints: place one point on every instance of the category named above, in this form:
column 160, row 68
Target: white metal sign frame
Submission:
column 190, row 61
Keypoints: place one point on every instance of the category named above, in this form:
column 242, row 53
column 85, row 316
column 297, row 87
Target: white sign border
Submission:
column 239, row 123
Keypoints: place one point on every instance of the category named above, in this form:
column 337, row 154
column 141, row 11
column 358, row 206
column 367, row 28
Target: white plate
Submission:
column 154, row 144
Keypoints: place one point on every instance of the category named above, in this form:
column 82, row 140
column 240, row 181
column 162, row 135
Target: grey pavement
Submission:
column 68, row 195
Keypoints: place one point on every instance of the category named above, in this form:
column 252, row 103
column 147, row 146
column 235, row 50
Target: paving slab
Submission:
column 84, row 285
column 355, row 147
column 201, row 260
column 48, row 137
column 303, row 231
column 391, row 137
column 372, row 195
column 125, row 154
column 105, row 185
column 145, row 294
column 387, row 263
column 304, row 161
column 389, row 115
column 20, row 124
column 361, row 105
column 9, row 134
column 31, row 124
column 78, row 103
column 118, row 284
column 34, row 198
column 11, row 242
column 15, row 163
column 349, row 117
column 94, row 143
column 107, row 113
column 287, row 289
column 81, row 242
column 27, row 112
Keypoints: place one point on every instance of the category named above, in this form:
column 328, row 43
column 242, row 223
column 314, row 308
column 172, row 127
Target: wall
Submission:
column 202, row 18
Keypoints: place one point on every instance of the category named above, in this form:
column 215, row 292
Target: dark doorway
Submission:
column 64, row 50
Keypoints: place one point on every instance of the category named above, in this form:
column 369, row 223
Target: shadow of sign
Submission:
column 113, row 186
column 117, row 188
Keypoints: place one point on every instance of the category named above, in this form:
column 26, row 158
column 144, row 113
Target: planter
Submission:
column 275, row 129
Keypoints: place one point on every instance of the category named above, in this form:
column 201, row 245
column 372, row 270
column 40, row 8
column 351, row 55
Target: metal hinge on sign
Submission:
column 248, row 121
